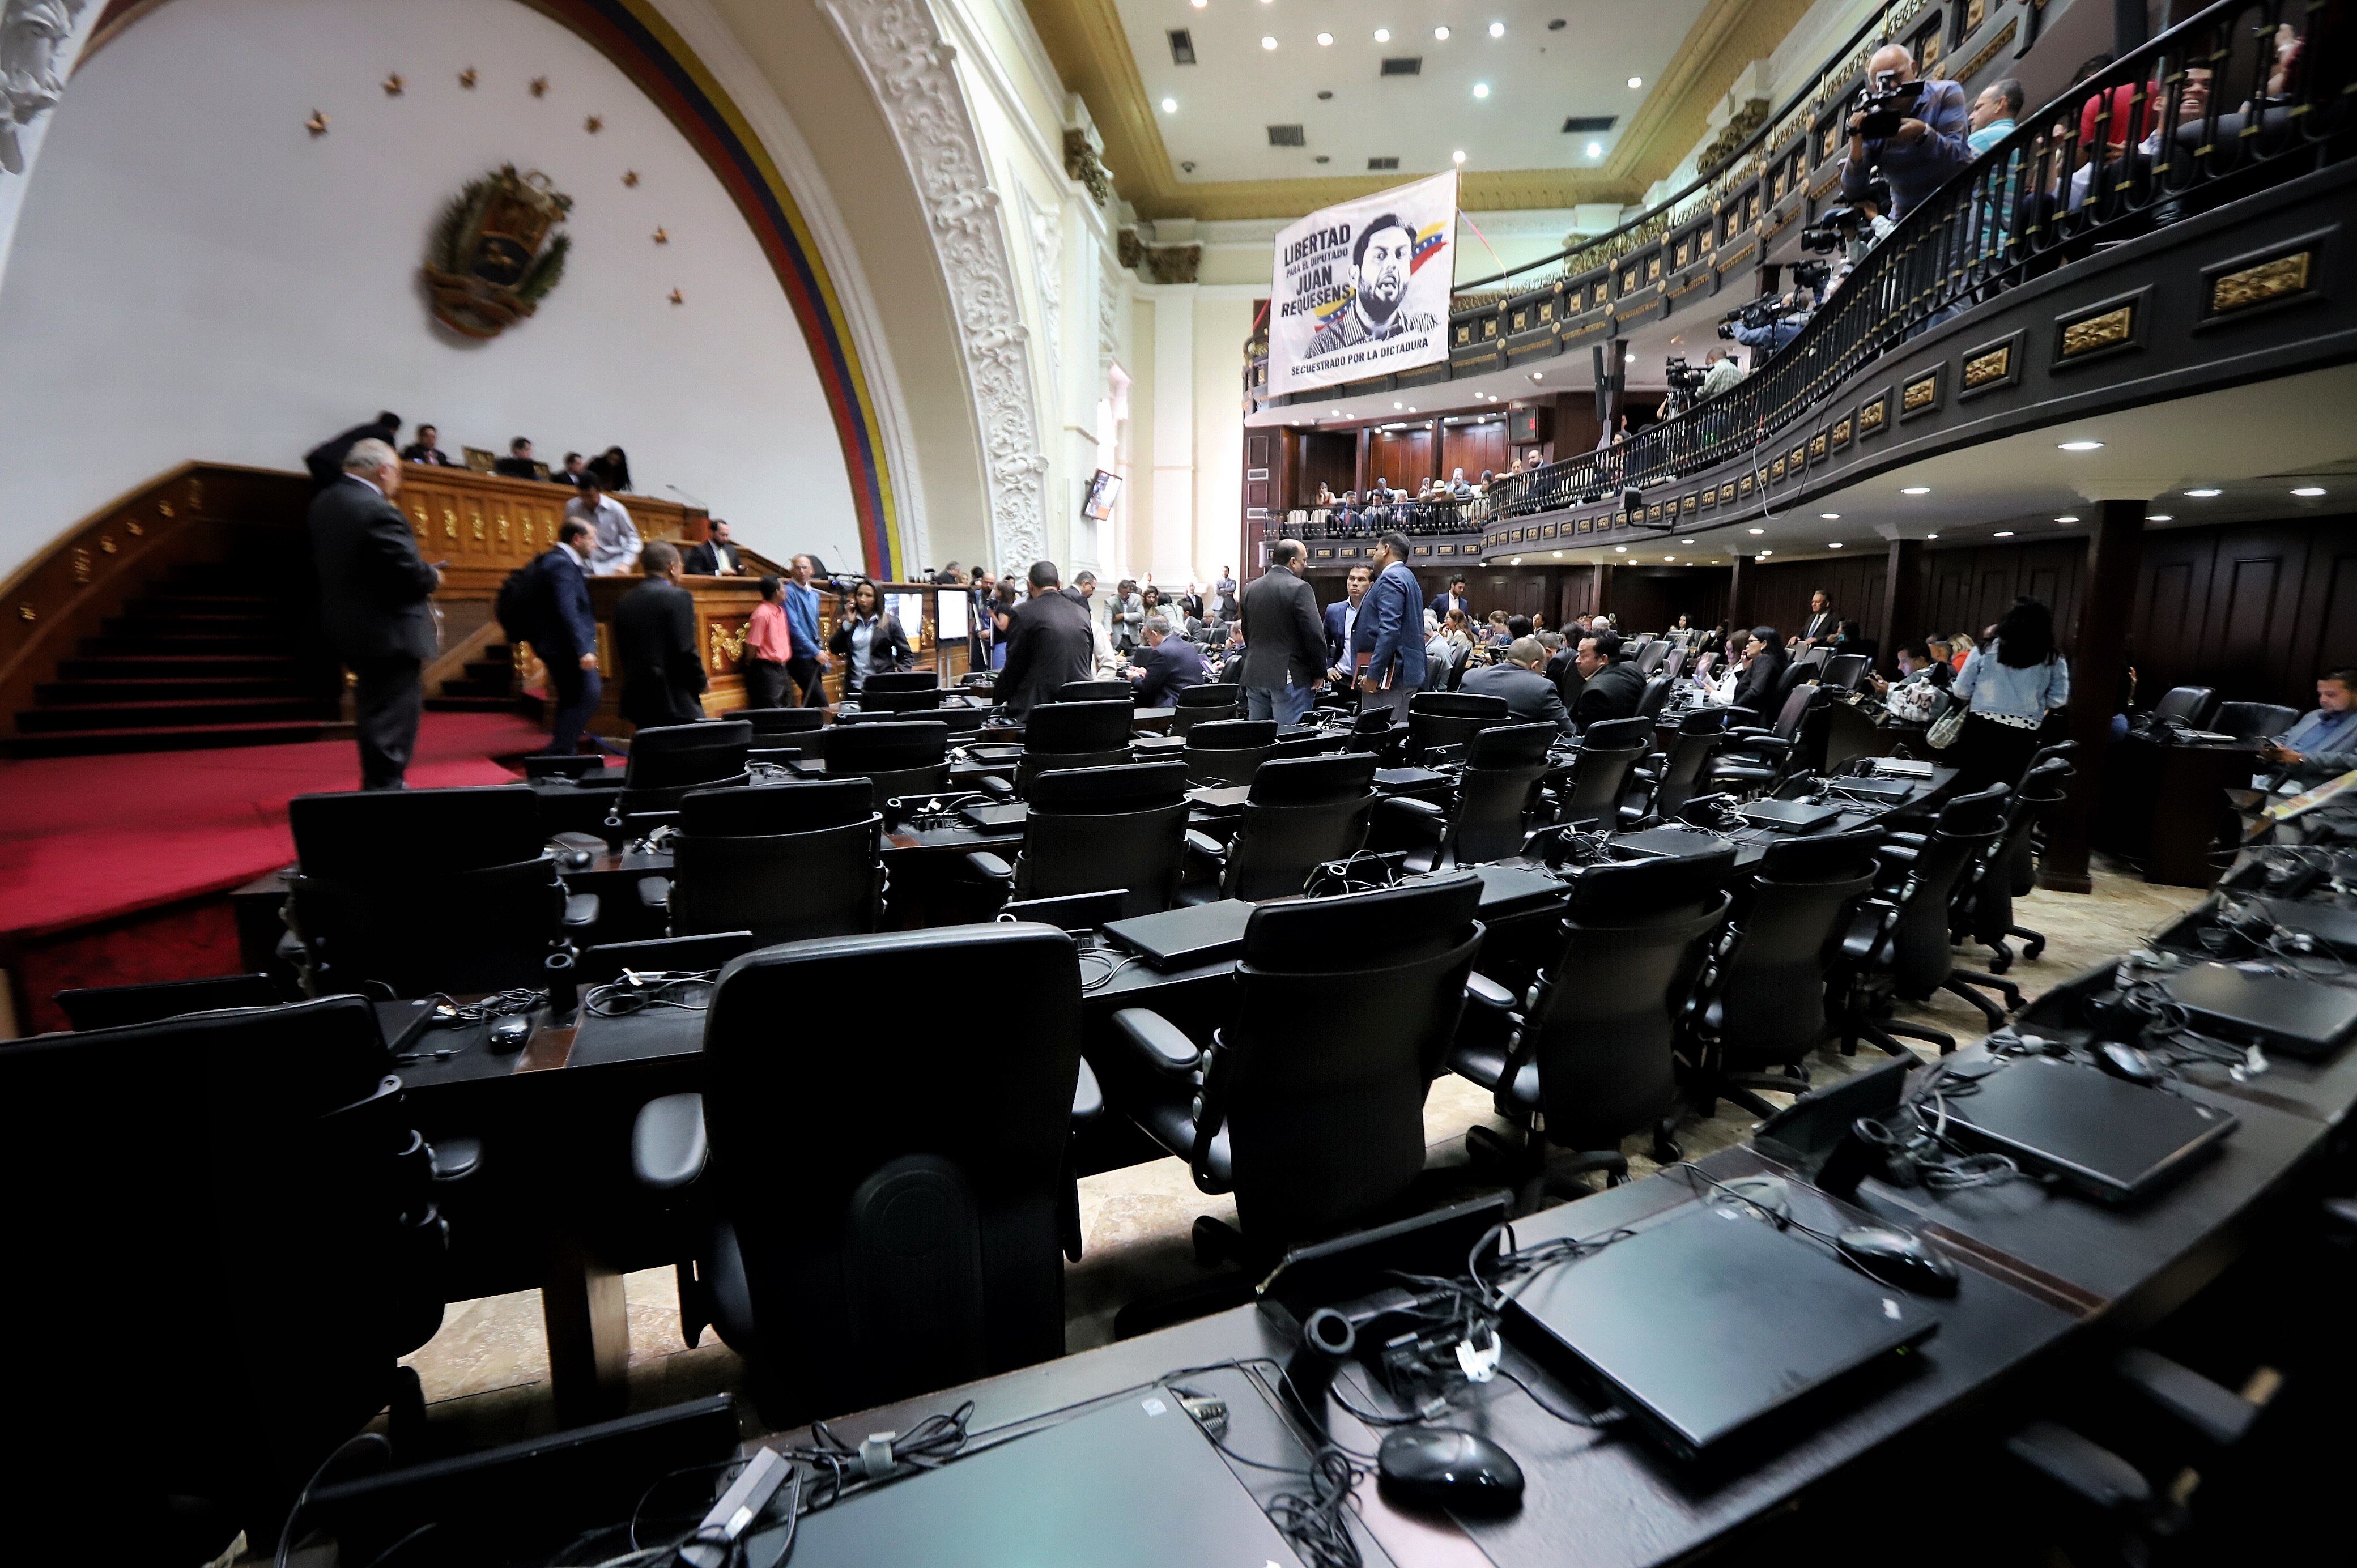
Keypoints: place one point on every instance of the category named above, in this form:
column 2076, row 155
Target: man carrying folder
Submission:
column 1387, row 643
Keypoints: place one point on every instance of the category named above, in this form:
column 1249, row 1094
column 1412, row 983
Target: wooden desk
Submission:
column 2167, row 804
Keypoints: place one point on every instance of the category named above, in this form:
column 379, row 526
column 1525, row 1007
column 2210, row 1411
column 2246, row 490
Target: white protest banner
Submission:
column 1361, row 288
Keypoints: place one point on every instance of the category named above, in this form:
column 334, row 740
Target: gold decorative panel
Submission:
column 2099, row 332
column 2257, row 285
column 1743, row 485
column 1976, row 12
column 1816, row 446
column 1921, row 392
column 1653, row 268
column 726, row 646
column 1776, row 469
column 1726, row 491
column 1870, row 417
column 1841, row 431
column 1990, row 367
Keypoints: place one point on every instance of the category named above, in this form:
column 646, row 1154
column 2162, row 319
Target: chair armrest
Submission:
column 1408, row 811
column 2083, row 1468
column 455, row 1159
column 1487, row 992
column 581, row 910
column 1157, row 1041
column 1088, row 1096
column 991, row 783
column 1866, row 929
column 1912, row 840
column 1204, row 844
column 990, row 866
column 2211, row 1409
column 654, row 892
column 1747, row 737
column 668, row 1149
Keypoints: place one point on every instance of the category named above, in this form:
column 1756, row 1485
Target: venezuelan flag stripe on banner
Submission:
column 1430, row 240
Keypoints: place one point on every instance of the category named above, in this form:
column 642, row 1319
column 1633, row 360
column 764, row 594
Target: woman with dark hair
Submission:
column 612, row 470
column 870, row 637
column 2011, row 683
column 1764, row 663
column 1002, row 621
column 768, row 645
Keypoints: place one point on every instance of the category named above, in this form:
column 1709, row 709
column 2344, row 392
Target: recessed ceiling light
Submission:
column 1268, row 43
column 2066, row 517
column 1200, row 4
column 1622, row 549
column 1325, row 40
column 1441, row 34
column 1636, row 81
column 1836, row 544
column 1686, row 542
column 1399, row 406
column 1759, row 531
column 1558, row 554
column 2205, row 495
column 1458, row 157
column 2005, row 533
column 1382, row 35
column 1338, row 413
column 1931, row 536
column 1829, row 515
column 2310, row 491
column 1481, row 90
column 2159, row 517
column 1538, row 375
column 1669, row 557
column 1411, row 408
column 1594, row 149
column 1515, row 562
column 1497, row 29
column 1916, row 490
column 1765, row 553
column 2080, row 446
column 1170, row 106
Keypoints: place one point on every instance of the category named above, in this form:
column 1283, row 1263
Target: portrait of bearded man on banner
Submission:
column 1380, row 263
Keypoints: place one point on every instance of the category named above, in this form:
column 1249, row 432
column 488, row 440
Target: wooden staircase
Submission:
column 487, row 686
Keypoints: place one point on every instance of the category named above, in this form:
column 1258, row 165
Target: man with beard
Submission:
column 1378, row 287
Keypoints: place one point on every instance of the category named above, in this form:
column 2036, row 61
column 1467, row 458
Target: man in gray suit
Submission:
column 1284, row 643
column 1529, row 696
column 374, row 593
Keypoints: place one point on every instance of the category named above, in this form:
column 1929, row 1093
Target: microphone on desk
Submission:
column 685, row 496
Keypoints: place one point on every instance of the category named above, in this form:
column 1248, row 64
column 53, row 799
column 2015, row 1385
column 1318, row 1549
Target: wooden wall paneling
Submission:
column 1474, row 447
column 1325, row 457
column 1399, row 458
column 2255, row 610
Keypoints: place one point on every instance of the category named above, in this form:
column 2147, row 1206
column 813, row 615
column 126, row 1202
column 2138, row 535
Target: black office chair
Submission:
column 1899, row 946
column 901, row 691
column 426, row 890
column 1302, row 812
column 1651, row 658
column 1608, row 750
column 1060, row 736
column 1205, row 703
column 1988, row 917
column 1459, row 656
column 1655, row 697
column 902, row 757
column 1586, row 1057
column 1228, row 751
column 669, row 760
column 1677, row 663
column 854, row 1260
column 1757, row 760
column 1488, row 816
column 2190, row 705
column 1094, row 692
column 785, row 862
column 1844, row 671
column 1676, row 778
column 1093, row 829
column 1439, row 720
column 779, row 734
column 2253, row 721
column 119, row 1006
column 159, row 1174
column 1760, row 1002
column 1310, row 1108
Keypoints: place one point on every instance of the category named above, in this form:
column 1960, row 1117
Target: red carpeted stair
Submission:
column 209, row 657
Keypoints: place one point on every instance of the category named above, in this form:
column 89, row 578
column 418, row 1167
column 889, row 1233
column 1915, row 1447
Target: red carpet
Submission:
column 90, row 839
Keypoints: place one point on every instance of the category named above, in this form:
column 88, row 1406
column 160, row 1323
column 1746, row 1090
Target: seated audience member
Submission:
column 1725, row 372
column 1563, row 665
column 1994, row 113
column 325, row 462
column 1519, row 627
column 654, row 637
column 1920, row 675
column 1045, row 642
column 616, row 543
column 1960, row 648
column 768, row 648
column 1927, row 147
column 1850, row 638
column 2323, row 744
column 1529, row 696
column 1613, row 688
column 518, row 463
column 868, row 639
column 1324, row 497
column 716, row 557
column 1437, row 651
column 574, row 471
column 1167, row 667
column 1763, row 671
column 427, row 449
column 1457, row 628
column 1456, row 485
column 1496, row 634
column 612, row 470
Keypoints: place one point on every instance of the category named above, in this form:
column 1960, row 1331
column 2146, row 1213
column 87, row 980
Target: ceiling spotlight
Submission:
column 1458, row 157
column 1836, row 544
column 1441, row 34
column 1669, row 557
column 2159, row 517
column 1931, row 536
column 1497, row 29
column 1325, row 40
column 1338, row 413
column 1635, row 82
column 1829, row 515
column 1759, row 531
column 1170, row 106
column 2066, row 518
column 2005, row 533
column 1268, row 43
column 1200, row 4
column 1622, row 549
column 1765, row 553
column 1686, row 542
column 2080, row 446
column 1411, row 408
column 1481, row 90
column 1382, row 35
column 2205, row 495
column 1515, row 562
column 1595, row 149
column 2310, row 491
column 1916, row 490
column 1558, row 554
column 1399, row 406
column 1538, row 375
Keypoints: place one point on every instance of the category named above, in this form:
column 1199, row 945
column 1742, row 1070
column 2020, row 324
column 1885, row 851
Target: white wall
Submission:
column 196, row 277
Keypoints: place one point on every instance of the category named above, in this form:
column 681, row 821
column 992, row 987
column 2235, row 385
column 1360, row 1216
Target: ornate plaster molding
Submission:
column 911, row 72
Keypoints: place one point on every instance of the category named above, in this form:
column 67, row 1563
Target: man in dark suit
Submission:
column 326, row 461
column 1284, row 646
column 1168, row 666
column 1341, row 615
column 1822, row 622
column 1453, row 599
column 1047, row 643
column 716, row 557
column 1761, row 688
column 567, row 640
column 1529, row 696
column 1612, row 689
column 654, row 639
column 1563, row 669
column 374, row 599
column 518, row 463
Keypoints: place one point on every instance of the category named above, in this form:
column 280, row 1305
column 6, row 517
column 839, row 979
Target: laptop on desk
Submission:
column 1888, row 792
column 1788, row 816
column 1185, row 938
column 2107, row 1138
column 996, row 816
column 2249, row 1006
column 2331, row 924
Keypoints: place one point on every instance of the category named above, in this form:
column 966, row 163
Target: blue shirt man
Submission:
column 810, row 655
column 1390, row 632
column 1924, row 153
column 2323, row 744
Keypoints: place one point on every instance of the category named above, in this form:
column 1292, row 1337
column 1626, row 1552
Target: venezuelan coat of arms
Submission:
column 497, row 252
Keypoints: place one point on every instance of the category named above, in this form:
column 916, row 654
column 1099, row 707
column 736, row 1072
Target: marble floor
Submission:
column 486, row 1372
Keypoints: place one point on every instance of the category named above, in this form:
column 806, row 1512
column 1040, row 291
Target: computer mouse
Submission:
column 509, row 1034
column 1899, row 1258
column 2123, row 1060
column 1448, row 1467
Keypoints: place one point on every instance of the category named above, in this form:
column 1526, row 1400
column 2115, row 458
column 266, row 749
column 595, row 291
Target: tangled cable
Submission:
column 688, row 990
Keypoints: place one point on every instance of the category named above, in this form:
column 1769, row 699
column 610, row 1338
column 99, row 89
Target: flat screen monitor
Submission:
column 1103, row 489
column 949, row 611
column 907, row 607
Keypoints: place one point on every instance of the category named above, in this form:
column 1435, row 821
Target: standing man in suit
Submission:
column 1284, row 646
column 1822, row 622
column 1390, row 632
column 655, row 638
column 1530, row 697
column 1341, row 619
column 567, row 643
column 1453, row 599
column 810, row 655
column 716, row 557
column 326, row 461
column 374, row 598
column 1167, row 667
column 1612, row 689
column 614, row 545
column 1047, row 643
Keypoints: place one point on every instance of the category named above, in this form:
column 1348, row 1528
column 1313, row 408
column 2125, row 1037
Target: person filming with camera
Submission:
column 1910, row 132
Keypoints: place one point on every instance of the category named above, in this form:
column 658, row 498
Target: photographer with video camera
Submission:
column 1685, row 383
column 1853, row 230
column 1910, row 132
column 1767, row 324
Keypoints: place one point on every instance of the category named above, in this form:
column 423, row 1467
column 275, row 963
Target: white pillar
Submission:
column 1173, row 559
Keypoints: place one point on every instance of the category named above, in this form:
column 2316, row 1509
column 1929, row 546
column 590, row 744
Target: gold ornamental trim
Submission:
column 1987, row 368
column 1921, row 392
column 728, row 646
column 1870, row 417
column 2099, row 332
column 2256, row 286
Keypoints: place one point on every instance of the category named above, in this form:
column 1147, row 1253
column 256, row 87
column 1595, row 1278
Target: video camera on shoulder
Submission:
column 1681, row 376
column 1892, row 102
column 1759, row 313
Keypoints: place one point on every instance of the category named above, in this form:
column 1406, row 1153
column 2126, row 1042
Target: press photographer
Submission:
column 1909, row 132
column 1852, row 230
column 1767, row 324
column 1685, row 383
